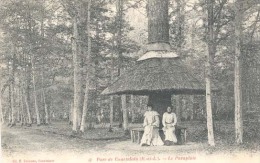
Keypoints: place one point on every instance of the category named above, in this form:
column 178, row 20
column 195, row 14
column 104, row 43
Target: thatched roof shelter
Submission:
column 157, row 75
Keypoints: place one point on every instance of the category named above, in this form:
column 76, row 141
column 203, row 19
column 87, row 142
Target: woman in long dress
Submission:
column 151, row 123
column 169, row 122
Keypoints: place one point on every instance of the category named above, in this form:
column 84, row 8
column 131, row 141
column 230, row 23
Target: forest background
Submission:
column 52, row 50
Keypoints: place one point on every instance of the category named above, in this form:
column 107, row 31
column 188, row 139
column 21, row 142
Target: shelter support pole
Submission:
column 124, row 109
column 191, row 105
column 111, row 106
column 132, row 107
column 178, row 108
column 184, row 107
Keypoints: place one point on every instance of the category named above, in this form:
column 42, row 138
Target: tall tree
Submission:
column 77, row 73
column 237, row 70
column 32, row 57
column 179, row 46
column 88, row 76
column 111, row 102
column 46, row 111
column 38, row 121
column 12, row 85
column 21, row 102
column 2, row 120
column 119, row 26
column 26, row 90
column 209, row 56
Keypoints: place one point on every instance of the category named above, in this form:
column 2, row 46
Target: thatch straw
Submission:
column 157, row 75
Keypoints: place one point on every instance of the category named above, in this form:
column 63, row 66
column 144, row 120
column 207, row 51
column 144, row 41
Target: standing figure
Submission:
column 169, row 122
column 151, row 123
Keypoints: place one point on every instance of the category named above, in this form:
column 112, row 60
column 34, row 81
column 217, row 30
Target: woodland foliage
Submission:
column 36, row 42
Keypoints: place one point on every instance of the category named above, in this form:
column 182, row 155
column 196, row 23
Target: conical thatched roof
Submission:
column 157, row 75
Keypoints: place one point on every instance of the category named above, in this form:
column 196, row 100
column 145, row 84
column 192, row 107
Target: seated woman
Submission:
column 169, row 122
column 151, row 123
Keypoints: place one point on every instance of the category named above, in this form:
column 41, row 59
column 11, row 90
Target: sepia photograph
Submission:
column 142, row 81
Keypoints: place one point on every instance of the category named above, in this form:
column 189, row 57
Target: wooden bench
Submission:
column 181, row 134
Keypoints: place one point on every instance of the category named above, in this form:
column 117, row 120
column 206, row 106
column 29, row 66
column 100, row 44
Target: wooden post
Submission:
column 125, row 114
column 184, row 107
column 191, row 105
column 178, row 107
column 111, row 106
column 132, row 107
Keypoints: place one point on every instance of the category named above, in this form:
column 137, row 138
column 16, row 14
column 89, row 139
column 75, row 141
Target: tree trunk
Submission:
column 1, row 108
column 12, row 93
column 119, row 23
column 42, row 74
column 125, row 114
column 179, row 30
column 47, row 121
column 18, row 95
column 237, row 71
column 85, row 109
column 85, row 106
column 13, row 121
column 80, row 83
column 77, row 82
column 111, row 102
column 26, row 91
column 82, row 94
column 158, row 23
column 38, row 121
column 31, row 66
column 209, row 108
column 71, row 113
column 28, row 109
column 9, row 116
column 22, row 105
column 211, row 140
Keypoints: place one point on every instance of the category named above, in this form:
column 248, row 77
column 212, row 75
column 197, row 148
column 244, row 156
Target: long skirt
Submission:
column 169, row 132
column 151, row 136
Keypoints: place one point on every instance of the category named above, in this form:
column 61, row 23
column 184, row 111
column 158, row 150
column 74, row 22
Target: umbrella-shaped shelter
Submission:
column 159, row 73
column 158, row 78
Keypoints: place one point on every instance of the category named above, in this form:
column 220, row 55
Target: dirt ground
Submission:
column 46, row 144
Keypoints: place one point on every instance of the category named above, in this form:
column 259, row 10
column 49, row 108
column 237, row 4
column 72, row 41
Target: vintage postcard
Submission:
column 143, row 81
